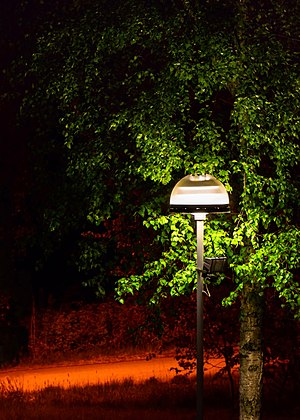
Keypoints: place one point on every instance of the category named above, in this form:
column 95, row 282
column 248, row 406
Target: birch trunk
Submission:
column 251, row 353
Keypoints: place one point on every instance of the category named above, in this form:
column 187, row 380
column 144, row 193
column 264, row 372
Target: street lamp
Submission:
column 200, row 195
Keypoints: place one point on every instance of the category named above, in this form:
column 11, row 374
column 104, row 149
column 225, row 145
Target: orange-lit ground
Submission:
column 29, row 379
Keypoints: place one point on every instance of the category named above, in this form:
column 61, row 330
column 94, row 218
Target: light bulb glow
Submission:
column 199, row 194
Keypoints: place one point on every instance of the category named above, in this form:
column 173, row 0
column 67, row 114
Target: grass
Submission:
column 112, row 400
column 126, row 400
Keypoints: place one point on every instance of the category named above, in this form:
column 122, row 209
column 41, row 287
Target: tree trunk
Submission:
column 251, row 353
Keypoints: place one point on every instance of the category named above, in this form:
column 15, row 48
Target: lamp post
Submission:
column 199, row 195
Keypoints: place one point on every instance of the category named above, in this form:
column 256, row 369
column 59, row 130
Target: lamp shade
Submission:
column 199, row 194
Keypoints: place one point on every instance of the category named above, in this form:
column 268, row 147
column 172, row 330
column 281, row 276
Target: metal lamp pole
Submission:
column 199, row 195
column 200, row 360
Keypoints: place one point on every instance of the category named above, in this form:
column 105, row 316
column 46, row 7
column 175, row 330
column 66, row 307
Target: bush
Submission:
column 94, row 327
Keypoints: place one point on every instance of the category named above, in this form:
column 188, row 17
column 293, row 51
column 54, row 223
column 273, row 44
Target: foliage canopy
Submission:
column 144, row 92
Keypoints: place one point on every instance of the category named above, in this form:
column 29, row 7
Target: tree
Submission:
column 145, row 92
column 21, row 232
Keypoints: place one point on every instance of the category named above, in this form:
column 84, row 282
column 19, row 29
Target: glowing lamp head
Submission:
column 199, row 194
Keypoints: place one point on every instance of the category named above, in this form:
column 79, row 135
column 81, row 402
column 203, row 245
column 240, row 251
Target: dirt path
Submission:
column 30, row 379
column 36, row 378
